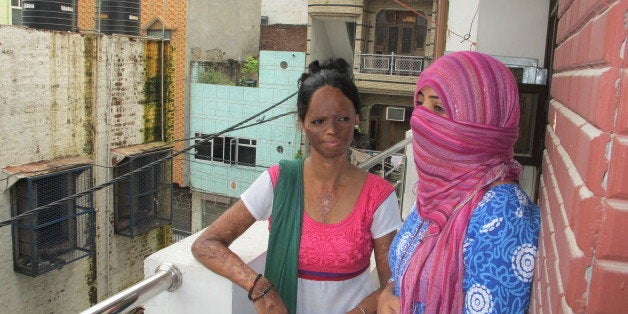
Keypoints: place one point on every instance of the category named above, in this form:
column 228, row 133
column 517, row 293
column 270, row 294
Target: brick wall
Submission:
column 283, row 38
column 173, row 13
column 583, row 255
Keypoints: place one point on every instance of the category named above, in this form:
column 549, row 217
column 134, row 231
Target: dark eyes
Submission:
column 320, row 121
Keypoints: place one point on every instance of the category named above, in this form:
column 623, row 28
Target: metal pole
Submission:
column 166, row 277
column 379, row 157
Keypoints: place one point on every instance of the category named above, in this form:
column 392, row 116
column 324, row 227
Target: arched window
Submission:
column 399, row 32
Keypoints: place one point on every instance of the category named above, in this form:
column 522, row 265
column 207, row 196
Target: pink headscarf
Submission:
column 457, row 158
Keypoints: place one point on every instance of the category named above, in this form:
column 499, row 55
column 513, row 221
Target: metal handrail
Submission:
column 167, row 277
column 386, row 153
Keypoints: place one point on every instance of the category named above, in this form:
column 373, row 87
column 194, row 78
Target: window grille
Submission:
column 212, row 206
column 55, row 236
column 229, row 150
column 143, row 200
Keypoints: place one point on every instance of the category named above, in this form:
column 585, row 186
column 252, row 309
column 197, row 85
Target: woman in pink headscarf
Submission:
column 469, row 243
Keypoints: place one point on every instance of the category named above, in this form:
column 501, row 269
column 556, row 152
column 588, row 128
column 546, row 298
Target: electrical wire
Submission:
column 433, row 21
column 204, row 139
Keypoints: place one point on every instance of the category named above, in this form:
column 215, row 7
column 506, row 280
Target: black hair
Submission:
column 333, row 72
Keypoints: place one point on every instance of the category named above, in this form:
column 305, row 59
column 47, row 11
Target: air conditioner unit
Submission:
column 395, row 113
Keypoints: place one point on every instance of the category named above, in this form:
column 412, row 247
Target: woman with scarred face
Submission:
column 326, row 216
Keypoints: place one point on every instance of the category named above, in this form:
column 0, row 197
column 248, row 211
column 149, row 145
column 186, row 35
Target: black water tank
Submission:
column 120, row 17
column 57, row 15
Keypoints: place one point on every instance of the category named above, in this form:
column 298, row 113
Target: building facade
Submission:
column 83, row 113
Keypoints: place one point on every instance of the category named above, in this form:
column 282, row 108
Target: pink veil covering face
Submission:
column 457, row 158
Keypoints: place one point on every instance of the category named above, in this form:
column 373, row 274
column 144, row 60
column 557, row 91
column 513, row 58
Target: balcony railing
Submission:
column 393, row 64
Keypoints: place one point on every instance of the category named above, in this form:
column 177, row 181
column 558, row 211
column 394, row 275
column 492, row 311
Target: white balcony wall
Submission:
column 203, row 291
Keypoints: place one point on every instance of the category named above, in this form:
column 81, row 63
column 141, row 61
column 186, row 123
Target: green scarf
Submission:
column 285, row 232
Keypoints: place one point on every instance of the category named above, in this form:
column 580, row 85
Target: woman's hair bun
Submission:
column 338, row 65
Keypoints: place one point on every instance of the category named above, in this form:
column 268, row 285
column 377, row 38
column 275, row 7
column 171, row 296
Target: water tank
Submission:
column 57, row 15
column 120, row 17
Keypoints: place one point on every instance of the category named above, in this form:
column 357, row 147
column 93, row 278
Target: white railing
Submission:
column 393, row 64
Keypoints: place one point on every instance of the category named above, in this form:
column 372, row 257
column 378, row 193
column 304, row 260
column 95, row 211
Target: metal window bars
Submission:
column 57, row 236
column 143, row 201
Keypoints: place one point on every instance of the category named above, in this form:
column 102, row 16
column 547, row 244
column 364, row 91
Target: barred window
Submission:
column 54, row 236
column 143, row 200
column 229, row 150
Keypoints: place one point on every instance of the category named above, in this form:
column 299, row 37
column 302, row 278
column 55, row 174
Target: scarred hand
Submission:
column 388, row 302
column 270, row 303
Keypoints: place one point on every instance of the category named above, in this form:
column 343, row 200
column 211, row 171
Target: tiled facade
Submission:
column 217, row 107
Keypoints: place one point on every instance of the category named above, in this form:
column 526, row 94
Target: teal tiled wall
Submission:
column 214, row 108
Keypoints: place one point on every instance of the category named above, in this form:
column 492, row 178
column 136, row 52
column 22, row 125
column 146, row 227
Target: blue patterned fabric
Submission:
column 499, row 251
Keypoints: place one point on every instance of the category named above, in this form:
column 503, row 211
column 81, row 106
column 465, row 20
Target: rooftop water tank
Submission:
column 57, row 15
column 120, row 17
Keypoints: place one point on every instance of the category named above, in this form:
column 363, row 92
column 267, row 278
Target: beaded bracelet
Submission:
column 253, row 286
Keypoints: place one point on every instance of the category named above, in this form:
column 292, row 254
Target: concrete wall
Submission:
column 583, row 258
column 500, row 24
column 216, row 107
column 69, row 94
column 462, row 19
column 495, row 27
column 285, row 11
column 231, row 29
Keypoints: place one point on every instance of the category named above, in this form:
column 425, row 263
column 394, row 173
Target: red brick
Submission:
column 566, row 128
column 558, row 89
column 572, row 265
column 609, row 288
column 547, row 302
column 551, row 141
column 590, row 8
column 552, row 111
column 622, row 116
column 617, row 174
column 555, row 280
column 589, row 156
column 608, row 36
column 614, row 235
column 588, row 215
column 583, row 38
column 567, row 178
column 559, row 57
column 607, row 100
column 546, row 222
column 563, row 5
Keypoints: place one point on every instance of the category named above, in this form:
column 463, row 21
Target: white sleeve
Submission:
column 258, row 198
column 387, row 217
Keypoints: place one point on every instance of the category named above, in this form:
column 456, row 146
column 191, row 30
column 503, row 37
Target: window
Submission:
column 212, row 206
column 54, row 236
column 229, row 150
column 16, row 12
column 399, row 32
column 143, row 200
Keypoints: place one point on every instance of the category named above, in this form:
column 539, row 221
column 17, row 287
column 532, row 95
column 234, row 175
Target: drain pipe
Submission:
column 167, row 277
